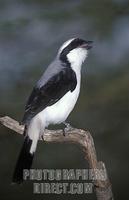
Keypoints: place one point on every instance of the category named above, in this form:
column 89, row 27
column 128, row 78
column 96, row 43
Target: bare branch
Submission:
column 84, row 139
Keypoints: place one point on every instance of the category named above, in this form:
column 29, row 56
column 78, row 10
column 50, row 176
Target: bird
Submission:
column 52, row 99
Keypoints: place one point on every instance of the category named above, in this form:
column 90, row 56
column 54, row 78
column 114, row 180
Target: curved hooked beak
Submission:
column 87, row 45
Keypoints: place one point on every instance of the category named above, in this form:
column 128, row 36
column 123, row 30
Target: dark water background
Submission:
column 31, row 32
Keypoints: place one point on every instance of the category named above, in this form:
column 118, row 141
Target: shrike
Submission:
column 52, row 99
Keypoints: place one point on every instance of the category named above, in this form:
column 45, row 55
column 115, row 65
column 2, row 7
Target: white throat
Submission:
column 76, row 57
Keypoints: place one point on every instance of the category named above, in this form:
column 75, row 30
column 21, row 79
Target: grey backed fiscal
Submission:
column 52, row 99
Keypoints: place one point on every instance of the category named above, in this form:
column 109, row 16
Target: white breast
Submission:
column 59, row 112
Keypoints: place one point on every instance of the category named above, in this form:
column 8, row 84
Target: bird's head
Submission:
column 74, row 51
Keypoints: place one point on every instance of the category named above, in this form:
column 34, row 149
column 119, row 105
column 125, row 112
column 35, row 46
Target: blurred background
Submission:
column 31, row 31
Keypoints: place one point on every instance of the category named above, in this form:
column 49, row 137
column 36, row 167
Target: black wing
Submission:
column 55, row 88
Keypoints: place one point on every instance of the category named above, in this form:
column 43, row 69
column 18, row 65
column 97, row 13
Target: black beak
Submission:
column 87, row 45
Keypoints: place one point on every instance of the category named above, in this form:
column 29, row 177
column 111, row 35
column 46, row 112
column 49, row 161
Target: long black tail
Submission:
column 24, row 161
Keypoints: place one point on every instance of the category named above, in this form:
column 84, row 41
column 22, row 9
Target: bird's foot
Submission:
column 67, row 128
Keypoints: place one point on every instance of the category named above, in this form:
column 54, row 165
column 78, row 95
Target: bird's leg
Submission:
column 41, row 136
column 67, row 128
column 25, row 131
